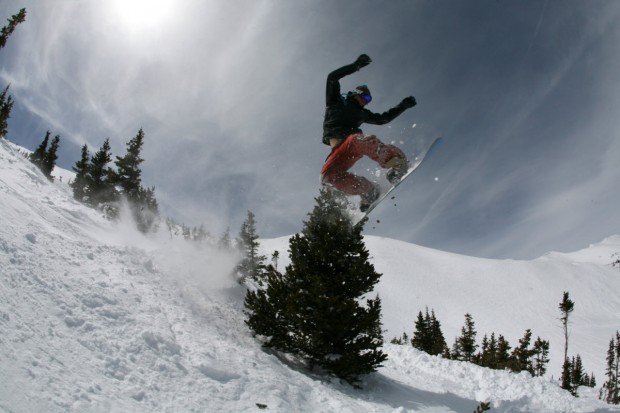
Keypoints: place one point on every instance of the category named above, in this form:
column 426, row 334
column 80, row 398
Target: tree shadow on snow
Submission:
column 379, row 388
column 382, row 389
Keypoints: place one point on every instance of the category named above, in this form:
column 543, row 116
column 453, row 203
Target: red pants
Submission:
column 344, row 156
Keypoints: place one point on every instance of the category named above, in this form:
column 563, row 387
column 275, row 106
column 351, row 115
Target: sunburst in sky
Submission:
column 141, row 15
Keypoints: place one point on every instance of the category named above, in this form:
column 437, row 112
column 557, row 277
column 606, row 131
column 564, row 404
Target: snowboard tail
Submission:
column 415, row 164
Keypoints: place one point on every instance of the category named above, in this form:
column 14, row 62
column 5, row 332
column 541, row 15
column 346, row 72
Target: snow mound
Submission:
column 96, row 317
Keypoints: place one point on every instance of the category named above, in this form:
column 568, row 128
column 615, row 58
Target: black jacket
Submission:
column 344, row 116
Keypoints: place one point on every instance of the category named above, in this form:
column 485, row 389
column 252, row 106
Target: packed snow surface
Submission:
column 96, row 317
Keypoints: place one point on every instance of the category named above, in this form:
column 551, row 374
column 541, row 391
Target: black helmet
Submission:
column 363, row 91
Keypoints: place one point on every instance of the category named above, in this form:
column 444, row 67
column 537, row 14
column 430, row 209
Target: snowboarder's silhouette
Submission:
column 344, row 114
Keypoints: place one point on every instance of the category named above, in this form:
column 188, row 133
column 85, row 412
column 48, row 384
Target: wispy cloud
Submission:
column 230, row 96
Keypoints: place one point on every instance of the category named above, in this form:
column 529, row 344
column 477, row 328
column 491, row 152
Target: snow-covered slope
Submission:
column 96, row 317
column 503, row 296
column 506, row 296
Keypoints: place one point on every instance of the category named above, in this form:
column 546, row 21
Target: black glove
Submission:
column 362, row 61
column 408, row 102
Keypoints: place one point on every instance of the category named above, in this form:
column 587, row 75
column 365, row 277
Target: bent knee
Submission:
column 368, row 138
column 328, row 177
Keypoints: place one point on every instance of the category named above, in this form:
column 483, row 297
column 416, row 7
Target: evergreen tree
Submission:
column 200, row 234
column 566, row 307
column 80, row 184
column 455, row 354
column 428, row 336
column 49, row 161
column 8, row 29
column 146, row 210
column 274, row 259
column 224, row 242
column 573, row 376
column 128, row 172
column 101, row 178
column 402, row 340
column 419, row 339
column 591, row 380
column 520, row 358
column 489, row 352
column 315, row 309
column 45, row 158
column 607, row 391
column 578, row 376
column 446, row 353
column 465, row 346
column 38, row 156
column 611, row 388
column 616, row 398
column 6, row 101
column 541, row 357
column 6, row 106
column 128, row 178
column 252, row 264
column 484, row 348
column 438, row 343
column 495, row 354
column 502, row 358
column 566, row 378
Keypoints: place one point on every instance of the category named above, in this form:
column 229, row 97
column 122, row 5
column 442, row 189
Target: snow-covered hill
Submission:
column 503, row 296
column 96, row 317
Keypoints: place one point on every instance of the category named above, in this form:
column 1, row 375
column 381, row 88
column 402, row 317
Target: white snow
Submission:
column 96, row 317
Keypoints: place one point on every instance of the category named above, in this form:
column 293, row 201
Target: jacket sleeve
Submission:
column 385, row 117
column 332, row 93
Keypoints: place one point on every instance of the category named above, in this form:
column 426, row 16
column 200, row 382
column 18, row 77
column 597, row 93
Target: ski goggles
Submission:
column 367, row 98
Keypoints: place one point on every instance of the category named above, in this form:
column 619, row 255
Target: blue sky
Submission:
column 231, row 97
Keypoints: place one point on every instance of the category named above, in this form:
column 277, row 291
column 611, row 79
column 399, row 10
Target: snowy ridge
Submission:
column 96, row 317
column 599, row 253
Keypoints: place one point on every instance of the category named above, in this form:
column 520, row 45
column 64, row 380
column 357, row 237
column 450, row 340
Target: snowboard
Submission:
column 415, row 164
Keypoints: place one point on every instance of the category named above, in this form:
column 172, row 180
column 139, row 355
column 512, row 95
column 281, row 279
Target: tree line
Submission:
column 101, row 186
column 494, row 351
column 96, row 184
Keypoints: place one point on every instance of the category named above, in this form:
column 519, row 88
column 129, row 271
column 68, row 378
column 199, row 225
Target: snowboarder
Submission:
column 344, row 115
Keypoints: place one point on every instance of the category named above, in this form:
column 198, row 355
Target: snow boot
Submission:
column 369, row 197
column 398, row 168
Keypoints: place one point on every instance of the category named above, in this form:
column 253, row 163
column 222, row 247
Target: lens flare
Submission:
column 143, row 14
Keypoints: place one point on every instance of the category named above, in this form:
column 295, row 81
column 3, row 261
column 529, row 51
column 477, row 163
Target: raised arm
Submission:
column 388, row 116
column 332, row 93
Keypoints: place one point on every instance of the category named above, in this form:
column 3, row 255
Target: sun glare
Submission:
column 143, row 14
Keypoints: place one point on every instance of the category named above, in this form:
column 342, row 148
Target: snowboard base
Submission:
column 357, row 215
